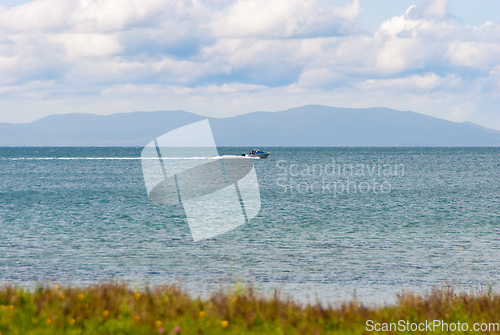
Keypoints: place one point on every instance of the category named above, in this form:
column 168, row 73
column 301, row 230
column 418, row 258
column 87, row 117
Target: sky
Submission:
column 222, row 58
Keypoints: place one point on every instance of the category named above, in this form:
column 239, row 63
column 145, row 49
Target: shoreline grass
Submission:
column 115, row 308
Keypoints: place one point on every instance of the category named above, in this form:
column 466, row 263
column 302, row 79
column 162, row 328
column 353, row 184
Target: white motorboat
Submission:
column 257, row 153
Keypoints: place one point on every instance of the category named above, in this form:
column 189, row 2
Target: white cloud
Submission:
column 114, row 15
column 423, row 83
column 41, row 15
column 88, row 45
column 400, row 54
column 429, row 9
column 473, row 54
column 319, row 77
column 284, row 19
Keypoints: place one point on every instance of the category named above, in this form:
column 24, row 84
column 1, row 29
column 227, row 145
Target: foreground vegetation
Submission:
column 114, row 308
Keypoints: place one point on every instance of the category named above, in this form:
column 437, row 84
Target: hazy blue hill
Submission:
column 123, row 129
column 303, row 126
column 329, row 126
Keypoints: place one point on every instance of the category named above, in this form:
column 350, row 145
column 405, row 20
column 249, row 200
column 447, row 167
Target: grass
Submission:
column 114, row 308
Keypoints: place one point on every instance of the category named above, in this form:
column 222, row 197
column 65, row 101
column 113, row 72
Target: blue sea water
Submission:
column 334, row 222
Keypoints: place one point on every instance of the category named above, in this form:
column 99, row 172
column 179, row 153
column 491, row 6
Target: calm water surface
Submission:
column 333, row 223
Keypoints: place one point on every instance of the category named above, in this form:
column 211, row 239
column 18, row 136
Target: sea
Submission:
column 335, row 224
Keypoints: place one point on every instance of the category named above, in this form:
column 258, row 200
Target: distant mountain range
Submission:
column 303, row 126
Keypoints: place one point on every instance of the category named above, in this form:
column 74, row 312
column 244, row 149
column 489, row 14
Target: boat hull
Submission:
column 257, row 156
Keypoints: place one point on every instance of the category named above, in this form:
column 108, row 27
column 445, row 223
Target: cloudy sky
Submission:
column 227, row 57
